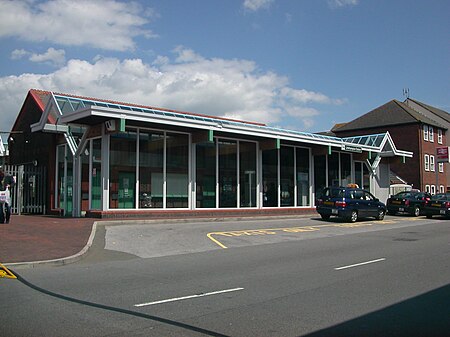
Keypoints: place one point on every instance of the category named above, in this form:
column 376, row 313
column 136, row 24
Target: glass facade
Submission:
column 287, row 176
column 151, row 159
column 151, row 169
column 177, row 170
column 206, row 175
column 303, row 176
column 270, row 178
column 96, row 174
column 64, row 192
column 247, row 174
column 362, row 175
column 122, row 170
column 227, row 173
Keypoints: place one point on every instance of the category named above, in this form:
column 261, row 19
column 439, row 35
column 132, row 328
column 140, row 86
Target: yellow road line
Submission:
column 5, row 272
column 299, row 229
column 267, row 231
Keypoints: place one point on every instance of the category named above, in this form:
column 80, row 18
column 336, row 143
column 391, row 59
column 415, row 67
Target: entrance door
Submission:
column 126, row 189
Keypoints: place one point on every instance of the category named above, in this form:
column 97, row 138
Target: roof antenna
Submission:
column 406, row 93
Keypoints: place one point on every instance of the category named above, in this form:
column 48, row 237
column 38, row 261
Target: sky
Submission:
column 297, row 64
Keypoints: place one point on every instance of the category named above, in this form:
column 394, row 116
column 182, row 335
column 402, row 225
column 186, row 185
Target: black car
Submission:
column 412, row 202
column 438, row 205
column 349, row 203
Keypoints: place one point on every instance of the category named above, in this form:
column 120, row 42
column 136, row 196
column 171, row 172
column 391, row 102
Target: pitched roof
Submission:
column 434, row 111
column 391, row 113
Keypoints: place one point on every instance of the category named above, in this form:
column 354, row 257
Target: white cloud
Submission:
column 103, row 24
column 342, row 3
column 52, row 56
column 255, row 5
column 187, row 82
column 55, row 57
column 17, row 54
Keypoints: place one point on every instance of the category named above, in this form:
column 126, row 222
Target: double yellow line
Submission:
column 5, row 272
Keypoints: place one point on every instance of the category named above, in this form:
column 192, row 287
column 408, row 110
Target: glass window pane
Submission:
column 96, row 182
column 302, row 177
column 333, row 169
column 61, row 177
column 346, row 169
column 247, row 174
column 122, row 172
column 151, row 157
column 358, row 174
column 177, row 170
column 320, row 177
column 227, row 173
column 85, row 178
column 366, row 177
column 270, row 178
column 287, row 176
column 206, row 175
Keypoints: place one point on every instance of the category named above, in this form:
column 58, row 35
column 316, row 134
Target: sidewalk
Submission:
column 30, row 238
column 36, row 238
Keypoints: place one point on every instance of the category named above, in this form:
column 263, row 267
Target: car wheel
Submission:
column 416, row 211
column 353, row 216
column 325, row 216
column 380, row 215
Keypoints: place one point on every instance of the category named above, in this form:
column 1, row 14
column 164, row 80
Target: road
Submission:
column 285, row 277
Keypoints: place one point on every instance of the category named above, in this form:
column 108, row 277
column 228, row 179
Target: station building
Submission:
column 113, row 159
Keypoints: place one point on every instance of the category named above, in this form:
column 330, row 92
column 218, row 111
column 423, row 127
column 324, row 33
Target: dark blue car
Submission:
column 349, row 203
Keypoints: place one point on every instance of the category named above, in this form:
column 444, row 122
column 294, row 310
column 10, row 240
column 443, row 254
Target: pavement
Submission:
column 31, row 240
column 37, row 238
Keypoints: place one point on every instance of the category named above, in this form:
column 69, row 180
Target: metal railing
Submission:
column 29, row 193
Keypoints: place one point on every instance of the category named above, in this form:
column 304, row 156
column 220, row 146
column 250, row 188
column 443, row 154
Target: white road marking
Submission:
column 360, row 264
column 188, row 297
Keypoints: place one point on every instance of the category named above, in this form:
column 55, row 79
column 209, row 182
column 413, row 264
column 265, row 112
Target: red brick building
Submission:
column 413, row 126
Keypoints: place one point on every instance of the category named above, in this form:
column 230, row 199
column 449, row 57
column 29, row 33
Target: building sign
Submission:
column 442, row 154
column 352, row 148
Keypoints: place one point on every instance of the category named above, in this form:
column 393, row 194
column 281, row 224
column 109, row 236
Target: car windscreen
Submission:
column 403, row 195
column 438, row 196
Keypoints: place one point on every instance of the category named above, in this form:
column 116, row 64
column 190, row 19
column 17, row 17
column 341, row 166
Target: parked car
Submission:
column 412, row 202
column 439, row 204
column 349, row 203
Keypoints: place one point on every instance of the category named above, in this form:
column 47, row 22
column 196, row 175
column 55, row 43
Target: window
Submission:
column 427, row 188
column 432, row 168
column 431, row 134
column 177, row 169
column 441, row 189
column 425, row 132
column 287, row 176
column 206, row 175
column 427, row 162
column 302, row 177
column 227, row 173
column 122, row 170
column 247, row 174
column 441, row 167
column 433, row 189
column 151, row 158
column 439, row 136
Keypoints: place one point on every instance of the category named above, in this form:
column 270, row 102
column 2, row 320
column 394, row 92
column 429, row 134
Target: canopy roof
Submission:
column 68, row 109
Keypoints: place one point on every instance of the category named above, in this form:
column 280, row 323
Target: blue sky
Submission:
column 297, row 64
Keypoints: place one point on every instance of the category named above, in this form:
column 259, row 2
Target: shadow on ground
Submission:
column 426, row 315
